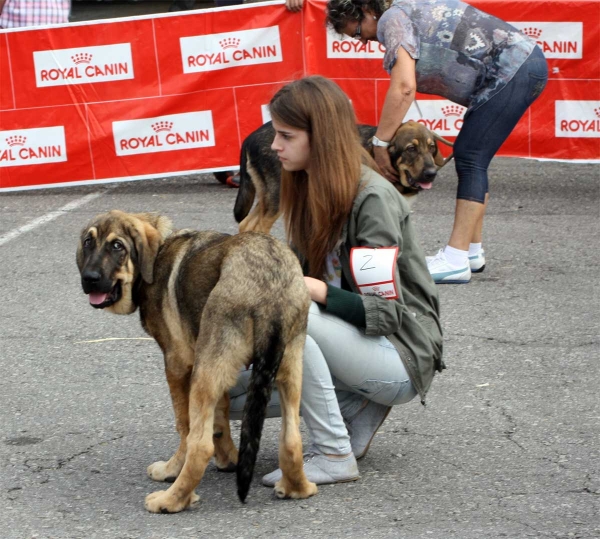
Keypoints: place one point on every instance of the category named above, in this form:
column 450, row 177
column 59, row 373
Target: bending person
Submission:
column 365, row 352
column 448, row 48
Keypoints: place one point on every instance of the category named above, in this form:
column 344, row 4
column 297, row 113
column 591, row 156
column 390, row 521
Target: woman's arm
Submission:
column 379, row 224
column 399, row 97
column 317, row 290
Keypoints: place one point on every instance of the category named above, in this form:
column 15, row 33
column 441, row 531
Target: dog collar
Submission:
column 379, row 142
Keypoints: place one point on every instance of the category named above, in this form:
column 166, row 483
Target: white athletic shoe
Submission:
column 477, row 261
column 444, row 273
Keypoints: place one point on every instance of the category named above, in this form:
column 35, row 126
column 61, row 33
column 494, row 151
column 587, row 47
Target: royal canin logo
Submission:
column 533, row 33
column 556, row 39
column 213, row 52
column 577, row 119
column 439, row 115
column 230, row 43
column 348, row 48
column 82, row 58
column 168, row 133
column 453, row 110
column 16, row 140
column 162, row 126
column 84, row 65
column 32, row 146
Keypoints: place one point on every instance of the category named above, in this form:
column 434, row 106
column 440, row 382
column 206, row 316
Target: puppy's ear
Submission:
column 438, row 158
column 147, row 239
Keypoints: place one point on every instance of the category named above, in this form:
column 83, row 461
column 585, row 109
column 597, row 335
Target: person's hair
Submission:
column 340, row 12
column 316, row 207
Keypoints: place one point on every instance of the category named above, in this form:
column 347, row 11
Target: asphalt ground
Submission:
column 507, row 446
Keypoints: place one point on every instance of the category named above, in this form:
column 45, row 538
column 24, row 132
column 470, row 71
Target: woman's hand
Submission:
column 294, row 5
column 382, row 158
column 317, row 290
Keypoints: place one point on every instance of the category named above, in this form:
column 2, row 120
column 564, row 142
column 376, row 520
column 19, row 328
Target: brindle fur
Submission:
column 214, row 303
column 413, row 151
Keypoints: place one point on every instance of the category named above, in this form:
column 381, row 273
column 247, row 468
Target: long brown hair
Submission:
column 316, row 207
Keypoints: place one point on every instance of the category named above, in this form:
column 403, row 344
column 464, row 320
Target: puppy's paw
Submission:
column 284, row 489
column 163, row 471
column 164, row 502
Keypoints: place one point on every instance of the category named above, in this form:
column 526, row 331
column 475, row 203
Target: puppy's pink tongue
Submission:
column 425, row 185
column 96, row 298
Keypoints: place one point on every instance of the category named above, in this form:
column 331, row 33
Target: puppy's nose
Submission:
column 91, row 277
column 429, row 174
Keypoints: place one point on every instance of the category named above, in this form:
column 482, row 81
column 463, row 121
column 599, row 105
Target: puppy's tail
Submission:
column 265, row 364
column 247, row 191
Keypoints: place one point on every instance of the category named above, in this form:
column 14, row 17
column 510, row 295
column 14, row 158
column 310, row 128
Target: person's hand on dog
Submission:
column 317, row 290
column 382, row 158
column 294, row 5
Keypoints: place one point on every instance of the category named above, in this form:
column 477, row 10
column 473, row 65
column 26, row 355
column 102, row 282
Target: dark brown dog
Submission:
column 214, row 303
column 413, row 151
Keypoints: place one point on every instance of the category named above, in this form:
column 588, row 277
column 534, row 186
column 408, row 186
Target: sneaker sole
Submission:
column 453, row 282
column 478, row 270
column 364, row 453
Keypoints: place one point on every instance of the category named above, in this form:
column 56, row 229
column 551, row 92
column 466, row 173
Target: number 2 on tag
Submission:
column 373, row 270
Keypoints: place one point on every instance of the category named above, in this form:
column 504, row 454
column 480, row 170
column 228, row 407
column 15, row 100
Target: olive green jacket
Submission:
column 380, row 217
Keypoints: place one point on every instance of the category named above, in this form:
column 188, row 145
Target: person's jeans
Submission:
column 487, row 127
column 342, row 367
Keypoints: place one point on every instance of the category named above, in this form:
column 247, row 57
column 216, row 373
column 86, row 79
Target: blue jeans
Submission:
column 342, row 367
column 487, row 127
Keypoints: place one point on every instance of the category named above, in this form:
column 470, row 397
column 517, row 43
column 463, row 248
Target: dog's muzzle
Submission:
column 101, row 292
column 424, row 181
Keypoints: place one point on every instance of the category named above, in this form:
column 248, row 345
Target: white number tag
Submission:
column 373, row 270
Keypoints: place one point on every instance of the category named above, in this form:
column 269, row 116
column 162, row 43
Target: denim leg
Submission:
column 237, row 396
column 339, row 361
column 320, row 407
column 487, row 127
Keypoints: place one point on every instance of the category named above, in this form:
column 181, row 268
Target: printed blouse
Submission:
column 462, row 53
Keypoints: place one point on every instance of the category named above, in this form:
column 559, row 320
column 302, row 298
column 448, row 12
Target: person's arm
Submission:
column 317, row 290
column 343, row 303
column 399, row 97
column 2, row 2
column 379, row 224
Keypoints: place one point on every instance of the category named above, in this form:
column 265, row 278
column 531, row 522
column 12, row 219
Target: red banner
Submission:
column 177, row 93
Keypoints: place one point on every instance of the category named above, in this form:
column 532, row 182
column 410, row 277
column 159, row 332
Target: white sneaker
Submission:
column 321, row 470
column 444, row 273
column 477, row 261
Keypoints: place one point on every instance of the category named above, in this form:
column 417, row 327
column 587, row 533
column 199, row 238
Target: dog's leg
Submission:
column 293, row 484
column 204, row 396
column 250, row 221
column 179, row 386
column 265, row 222
column 226, row 453
column 215, row 372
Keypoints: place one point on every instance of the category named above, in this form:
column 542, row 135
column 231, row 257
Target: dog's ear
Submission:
column 148, row 232
column 438, row 158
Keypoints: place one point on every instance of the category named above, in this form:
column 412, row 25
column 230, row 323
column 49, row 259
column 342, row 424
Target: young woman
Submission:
column 374, row 334
column 451, row 49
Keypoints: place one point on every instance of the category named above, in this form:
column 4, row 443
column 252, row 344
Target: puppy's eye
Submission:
column 117, row 245
column 411, row 148
column 87, row 242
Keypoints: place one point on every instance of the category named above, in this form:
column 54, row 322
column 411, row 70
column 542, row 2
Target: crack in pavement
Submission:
column 29, row 463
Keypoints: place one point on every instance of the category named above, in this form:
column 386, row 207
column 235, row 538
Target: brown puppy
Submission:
column 214, row 303
column 413, row 151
